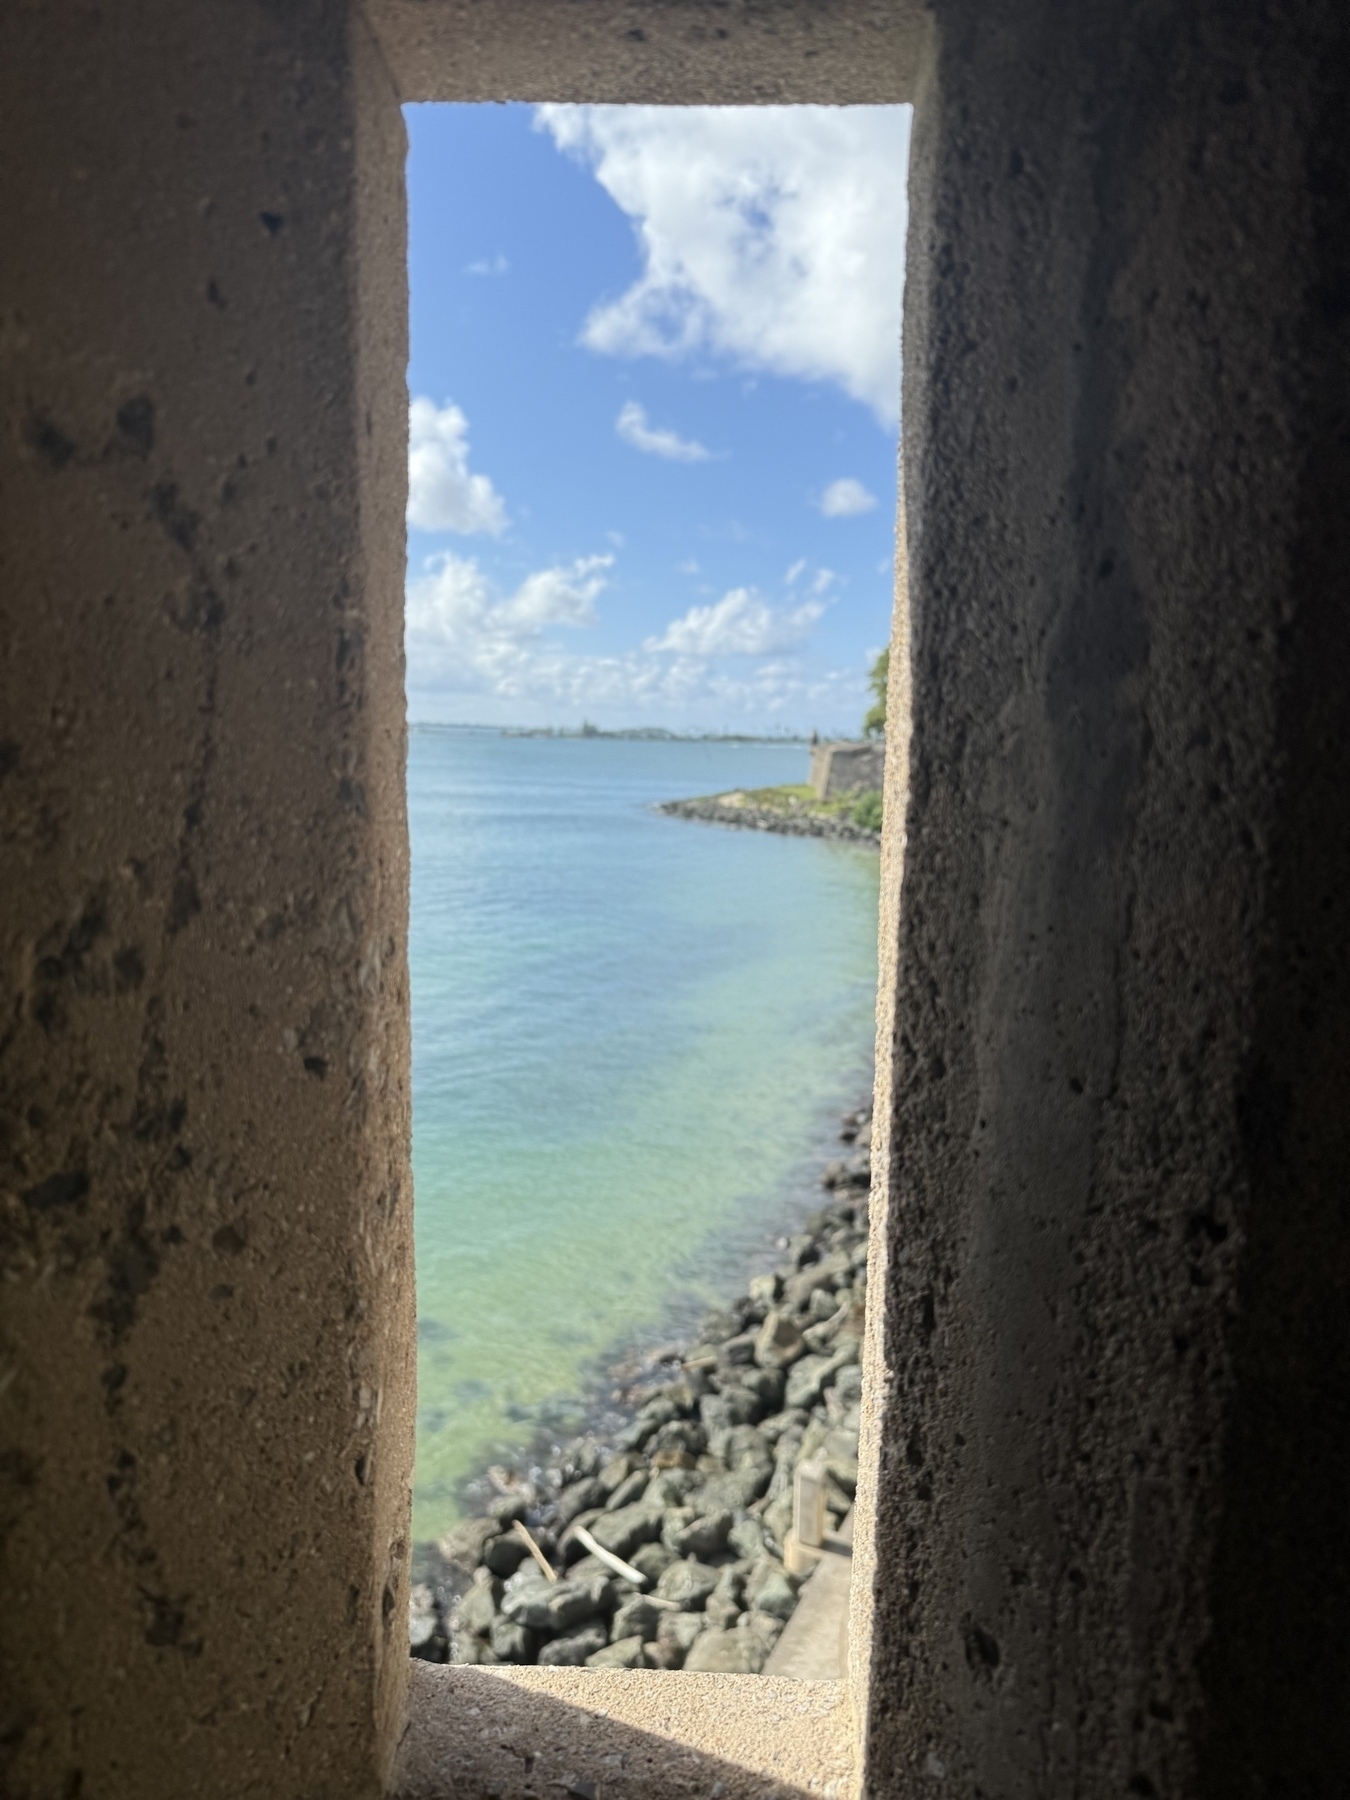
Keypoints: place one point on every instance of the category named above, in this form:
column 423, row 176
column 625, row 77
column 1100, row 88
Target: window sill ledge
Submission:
column 593, row 1734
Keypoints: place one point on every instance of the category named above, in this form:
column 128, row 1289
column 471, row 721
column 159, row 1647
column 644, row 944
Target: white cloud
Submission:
column 739, row 624
column 442, row 494
column 845, row 498
column 562, row 596
column 770, row 235
column 450, row 611
column 796, row 569
column 633, row 428
column 471, row 655
column 489, row 265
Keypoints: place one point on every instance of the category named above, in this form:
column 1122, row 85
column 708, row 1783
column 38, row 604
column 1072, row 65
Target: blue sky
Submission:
column 654, row 381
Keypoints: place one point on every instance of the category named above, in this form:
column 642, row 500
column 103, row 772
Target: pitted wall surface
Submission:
column 207, row 1323
column 654, row 52
column 1112, row 1360
column 1102, row 1521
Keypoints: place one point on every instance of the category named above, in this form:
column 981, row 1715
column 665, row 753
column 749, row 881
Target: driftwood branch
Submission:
column 535, row 1551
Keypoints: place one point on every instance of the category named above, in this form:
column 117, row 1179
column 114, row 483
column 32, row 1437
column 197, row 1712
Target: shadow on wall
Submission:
column 525, row 1732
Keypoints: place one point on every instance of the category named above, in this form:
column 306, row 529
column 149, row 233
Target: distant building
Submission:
column 847, row 768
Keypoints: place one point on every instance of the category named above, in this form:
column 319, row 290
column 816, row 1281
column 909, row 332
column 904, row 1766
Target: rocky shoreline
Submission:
column 799, row 821
column 660, row 1543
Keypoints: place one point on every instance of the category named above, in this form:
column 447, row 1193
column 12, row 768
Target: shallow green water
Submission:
column 630, row 1036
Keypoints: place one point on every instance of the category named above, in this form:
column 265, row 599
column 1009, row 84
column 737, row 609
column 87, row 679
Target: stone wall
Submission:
column 1101, row 1540
column 1114, row 1359
column 207, row 1327
column 847, row 768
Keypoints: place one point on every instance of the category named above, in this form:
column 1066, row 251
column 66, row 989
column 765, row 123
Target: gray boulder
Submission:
column 511, row 1642
column 679, row 1434
column 580, row 1497
column 737, row 1350
column 476, row 1610
column 425, row 1637
column 844, row 1399
column 571, row 1650
column 735, row 1405
column 777, row 1517
column 556, row 1606
column 734, row 1491
column 631, row 1488
column 722, row 1611
column 743, row 1447
column 826, row 1273
column 652, row 1416
column 824, row 1305
column 624, row 1653
column 621, row 1532
column 765, row 1626
column 507, row 1508
column 619, row 1468
column 727, row 1653
column 676, row 1520
column 670, row 1487
column 675, row 1633
column 636, row 1617
column 688, row 1584
column 763, row 1290
column 463, row 1543
column 746, row 1538
column 718, row 1326
column 770, row 1589
column 697, row 1536
column 814, row 1372
column 805, row 1380
column 765, row 1384
column 652, row 1560
column 504, row 1554
column 779, row 1342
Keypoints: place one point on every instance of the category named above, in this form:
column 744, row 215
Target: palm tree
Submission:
column 874, row 725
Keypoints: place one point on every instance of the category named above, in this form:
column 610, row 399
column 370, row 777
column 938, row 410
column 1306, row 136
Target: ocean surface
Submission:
column 632, row 1036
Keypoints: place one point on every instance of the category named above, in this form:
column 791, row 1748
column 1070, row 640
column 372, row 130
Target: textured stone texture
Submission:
column 657, row 52
column 1104, row 1481
column 207, row 1319
column 1112, row 1462
column 846, row 768
column 595, row 1733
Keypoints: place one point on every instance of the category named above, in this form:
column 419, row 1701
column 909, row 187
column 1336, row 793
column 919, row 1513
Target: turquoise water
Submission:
column 630, row 1034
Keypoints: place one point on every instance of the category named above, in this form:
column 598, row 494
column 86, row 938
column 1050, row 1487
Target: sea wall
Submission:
column 693, row 1491
column 791, row 821
column 848, row 768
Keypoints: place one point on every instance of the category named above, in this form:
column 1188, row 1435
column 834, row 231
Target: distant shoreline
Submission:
column 645, row 734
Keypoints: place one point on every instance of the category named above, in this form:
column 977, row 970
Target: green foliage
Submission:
column 867, row 810
column 874, row 724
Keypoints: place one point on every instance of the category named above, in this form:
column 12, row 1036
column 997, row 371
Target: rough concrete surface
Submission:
column 1113, row 1457
column 656, row 52
column 205, row 1201
column 814, row 1644
column 604, row 1734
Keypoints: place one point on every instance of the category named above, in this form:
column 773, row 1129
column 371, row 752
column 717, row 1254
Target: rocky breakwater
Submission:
column 792, row 817
column 663, row 1547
